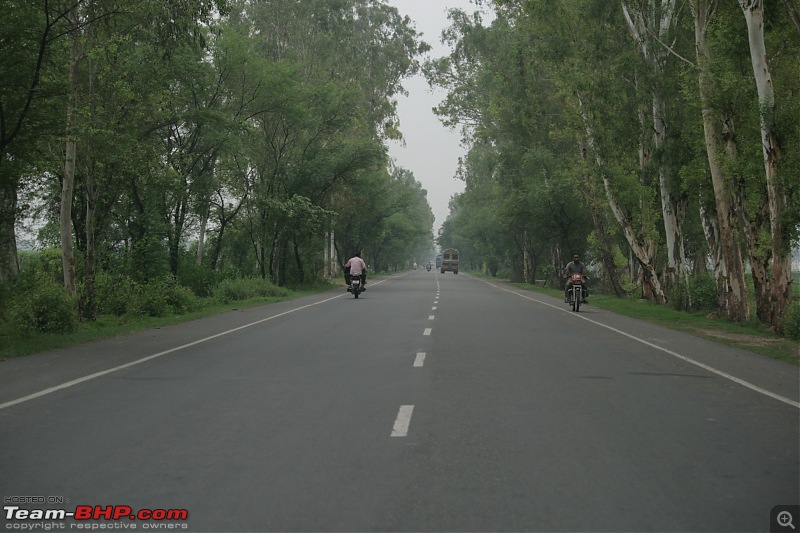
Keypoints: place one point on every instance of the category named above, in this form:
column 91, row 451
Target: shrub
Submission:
column 179, row 298
column 148, row 300
column 791, row 324
column 234, row 290
column 43, row 307
column 114, row 293
column 703, row 292
column 199, row 279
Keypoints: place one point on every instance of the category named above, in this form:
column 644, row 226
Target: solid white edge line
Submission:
column 713, row 370
column 83, row 379
column 402, row 421
column 420, row 359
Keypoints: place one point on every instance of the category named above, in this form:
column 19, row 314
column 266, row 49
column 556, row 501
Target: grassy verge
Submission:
column 107, row 326
column 751, row 336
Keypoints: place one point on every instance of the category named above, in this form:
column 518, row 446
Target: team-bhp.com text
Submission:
column 91, row 517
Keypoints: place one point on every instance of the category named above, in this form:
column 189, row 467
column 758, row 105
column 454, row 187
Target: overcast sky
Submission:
column 431, row 150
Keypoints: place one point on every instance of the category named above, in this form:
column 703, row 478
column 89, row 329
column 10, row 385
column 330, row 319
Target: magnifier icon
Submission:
column 785, row 519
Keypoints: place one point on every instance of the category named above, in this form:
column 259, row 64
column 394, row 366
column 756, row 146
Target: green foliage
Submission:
column 232, row 290
column 180, row 299
column 199, row 279
column 791, row 324
column 42, row 264
column 698, row 294
column 122, row 296
column 114, row 293
column 148, row 300
column 41, row 305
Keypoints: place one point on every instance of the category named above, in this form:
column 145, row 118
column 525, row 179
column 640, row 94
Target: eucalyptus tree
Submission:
column 121, row 69
column 342, row 64
column 652, row 24
column 31, row 60
column 385, row 215
column 558, row 111
column 772, row 308
column 365, row 44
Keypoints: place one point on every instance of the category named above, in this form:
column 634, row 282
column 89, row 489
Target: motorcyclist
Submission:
column 576, row 266
column 356, row 266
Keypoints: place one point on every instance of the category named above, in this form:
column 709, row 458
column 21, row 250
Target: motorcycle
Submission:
column 428, row 267
column 355, row 286
column 577, row 292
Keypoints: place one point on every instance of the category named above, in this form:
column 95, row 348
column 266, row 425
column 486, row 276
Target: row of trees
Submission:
column 238, row 136
column 659, row 135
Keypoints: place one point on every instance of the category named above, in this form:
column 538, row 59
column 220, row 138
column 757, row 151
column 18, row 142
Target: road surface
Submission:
column 432, row 403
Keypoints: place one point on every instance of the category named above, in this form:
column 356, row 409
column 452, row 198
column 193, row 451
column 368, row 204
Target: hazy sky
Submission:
column 431, row 150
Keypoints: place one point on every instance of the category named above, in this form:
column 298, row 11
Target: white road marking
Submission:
column 402, row 421
column 713, row 370
column 433, row 308
column 431, row 317
column 159, row 354
column 427, row 331
column 420, row 359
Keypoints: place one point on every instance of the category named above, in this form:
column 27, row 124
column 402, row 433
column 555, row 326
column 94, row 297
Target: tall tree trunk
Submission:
column 68, row 182
column 9, row 262
column 731, row 287
column 299, row 261
column 649, row 32
column 642, row 248
column 596, row 209
column 779, row 289
column 201, row 238
column 89, row 307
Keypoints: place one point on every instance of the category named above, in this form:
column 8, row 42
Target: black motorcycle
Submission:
column 355, row 286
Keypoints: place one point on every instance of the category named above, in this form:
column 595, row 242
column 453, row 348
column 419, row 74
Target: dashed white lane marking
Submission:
column 713, row 370
column 427, row 331
column 433, row 308
column 431, row 317
column 420, row 359
column 402, row 421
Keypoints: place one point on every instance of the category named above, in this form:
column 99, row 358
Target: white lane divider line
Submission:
column 689, row 360
column 427, row 331
column 430, row 317
column 434, row 308
column 420, row 359
column 96, row 375
column 402, row 421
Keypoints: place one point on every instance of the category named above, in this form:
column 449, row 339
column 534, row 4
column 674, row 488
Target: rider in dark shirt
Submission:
column 574, row 267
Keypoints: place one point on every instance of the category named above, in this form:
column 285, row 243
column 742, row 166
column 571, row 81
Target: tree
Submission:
column 773, row 308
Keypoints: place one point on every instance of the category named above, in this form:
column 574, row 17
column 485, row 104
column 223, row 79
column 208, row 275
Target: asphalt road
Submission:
column 432, row 403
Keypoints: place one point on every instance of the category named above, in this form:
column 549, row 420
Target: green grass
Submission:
column 107, row 326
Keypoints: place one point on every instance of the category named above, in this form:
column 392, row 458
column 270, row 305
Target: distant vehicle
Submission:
column 449, row 261
column 438, row 261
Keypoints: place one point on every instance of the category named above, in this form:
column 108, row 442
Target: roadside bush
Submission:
column 180, row 299
column 148, row 300
column 44, row 264
column 42, row 307
column 199, row 279
column 234, row 290
column 703, row 294
column 115, row 293
column 5, row 299
column 791, row 324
